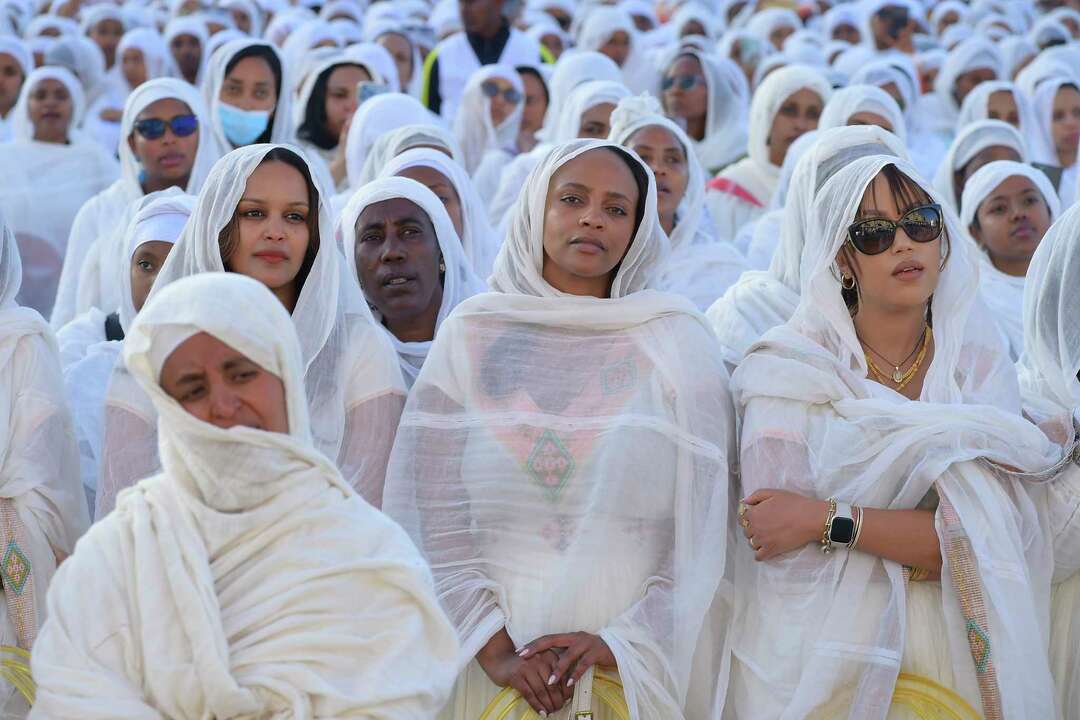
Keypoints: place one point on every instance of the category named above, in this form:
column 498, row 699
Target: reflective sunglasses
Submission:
column 876, row 235
column 154, row 128
column 685, row 82
column 511, row 95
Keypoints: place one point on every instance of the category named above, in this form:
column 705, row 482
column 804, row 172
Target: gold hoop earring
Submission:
column 847, row 282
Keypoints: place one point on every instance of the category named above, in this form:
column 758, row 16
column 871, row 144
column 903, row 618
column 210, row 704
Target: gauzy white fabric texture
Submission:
column 1003, row 294
column 971, row 141
column 517, row 463
column 972, row 54
column 354, row 386
column 762, row 300
column 392, row 143
column 459, row 280
column 813, row 423
column 247, row 579
column 281, row 127
column 478, row 241
column 375, row 118
column 976, row 106
column 481, row 141
column 856, row 99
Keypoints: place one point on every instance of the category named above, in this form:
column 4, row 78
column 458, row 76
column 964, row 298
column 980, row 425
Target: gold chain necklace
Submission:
column 901, row 380
column 898, row 376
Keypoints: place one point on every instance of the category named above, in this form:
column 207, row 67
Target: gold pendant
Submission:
column 897, row 376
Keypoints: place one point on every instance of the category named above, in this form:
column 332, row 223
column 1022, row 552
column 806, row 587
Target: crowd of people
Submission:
column 503, row 359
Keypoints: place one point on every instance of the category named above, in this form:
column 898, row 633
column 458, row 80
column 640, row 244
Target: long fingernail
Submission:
column 570, row 682
column 552, row 680
column 523, row 652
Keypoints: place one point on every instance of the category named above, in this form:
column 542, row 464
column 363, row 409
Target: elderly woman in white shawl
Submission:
column 880, row 434
column 700, row 267
column 247, row 578
column 401, row 246
column 452, row 186
column 1006, row 208
column 48, row 155
column 562, row 461
column 1050, row 385
column 166, row 143
column 261, row 214
column 762, row 300
column 788, row 103
column 42, row 508
column 978, row 144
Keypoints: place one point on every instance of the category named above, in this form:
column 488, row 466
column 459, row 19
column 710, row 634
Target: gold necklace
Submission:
column 898, row 376
column 901, row 380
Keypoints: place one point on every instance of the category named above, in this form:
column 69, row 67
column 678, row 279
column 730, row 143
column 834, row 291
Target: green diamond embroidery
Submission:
column 618, row 376
column 979, row 642
column 15, row 569
column 550, row 464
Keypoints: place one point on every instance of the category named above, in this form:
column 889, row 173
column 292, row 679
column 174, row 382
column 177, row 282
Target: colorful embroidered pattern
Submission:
column 15, row 569
column 619, row 377
column 980, row 645
column 550, row 464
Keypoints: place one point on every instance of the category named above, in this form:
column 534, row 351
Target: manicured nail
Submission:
column 523, row 652
column 552, row 680
column 570, row 682
column 543, row 713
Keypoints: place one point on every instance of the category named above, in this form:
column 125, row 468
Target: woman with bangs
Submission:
column 880, row 438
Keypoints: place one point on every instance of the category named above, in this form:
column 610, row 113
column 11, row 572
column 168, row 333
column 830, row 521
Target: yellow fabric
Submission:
column 927, row 700
column 606, row 689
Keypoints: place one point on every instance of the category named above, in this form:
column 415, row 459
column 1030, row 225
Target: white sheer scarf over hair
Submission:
column 459, row 280
column 971, row 141
column 202, row 594
column 281, row 127
column 813, row 423
column 521, row 463
column 353, row 383
column 475, row 130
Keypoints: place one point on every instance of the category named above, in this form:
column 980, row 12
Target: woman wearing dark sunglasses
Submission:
column 893, row 550
column 488, row 124
column 162, row 146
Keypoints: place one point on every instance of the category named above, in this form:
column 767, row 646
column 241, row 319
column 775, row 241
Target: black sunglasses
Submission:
column 876, row 235
column 154, row 128
column 492, row 90
column 685, row 82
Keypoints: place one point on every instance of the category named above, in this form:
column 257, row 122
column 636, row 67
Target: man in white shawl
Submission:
column 247, row 579
column 562, row 461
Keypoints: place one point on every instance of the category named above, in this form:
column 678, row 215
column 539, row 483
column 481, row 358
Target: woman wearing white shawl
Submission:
column 998, row 100
column 456, row 280
column 968, row 64
column 719, row 135
column 48, row 155
column 1051, row 397
column 395, row 38
column 479, row 242
column 15, row 52
column 392, row 143
column 977, row 144
column 1007, row 224
column 864, row 105
column 742, row 192
column 183, row 35
column 247, row 578
column 511, row 464
column 42, row 509
column 774, row 25
column 611, row 31
column 274, row 123
column 699, row 267
column 90, row 344
column 761, row 300
column 354, row 387
column 489, row 143
column 94, row 254
column 927, row 467
column 1057, row 113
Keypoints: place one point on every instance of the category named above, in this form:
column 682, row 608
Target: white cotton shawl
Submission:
column 532, row 411
column 281, row 128
column 201, row 595
column 155, row 52
column 972, row 54
column 42, row 506
column 195, row 26
column 700, row 267
column 574, row 68
column 459, row 280
column 354, row 387
column 856, row 99
column 976, row 106
column 972, row 140
column 478, row 241
column 1042, row 140
column 473, row 127
column 726, row 110
column 392, row 143
column 812, row 423
column 375, row 118
column 95, row 260
column 1003, row 294
column 763, row 300
column 600, row 24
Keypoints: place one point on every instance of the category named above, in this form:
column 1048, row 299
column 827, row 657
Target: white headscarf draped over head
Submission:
column 987, row 178
column 773, row 92
column 976, row 106
column 156, row 55
column 281, row 129
column 195, row 26
column 473, row 127
column 249, row 8
column 970, row 142
column 459, row 280
column 84, row 59
column 856, row 99
column 573, row 69
column 304, row 39
column 19, row 50
column 1041, row 141
column 726, row 110
column 765, row 23
column 841, row 15
column 142, row 97
column 374, row 118
column 89, row 17
column 159, row 217
column 583, row 98
column 896, row 70
column 600, row 24
column 479, row 242
column 520, row 263
column 394, row 142
column 21, row 126
column 10, row 267
column 948, row 6
column 972, row 54
column 379, row 62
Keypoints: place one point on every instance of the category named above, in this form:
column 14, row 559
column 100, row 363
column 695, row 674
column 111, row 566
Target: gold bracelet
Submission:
column 826, row 539
column 858, row 511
